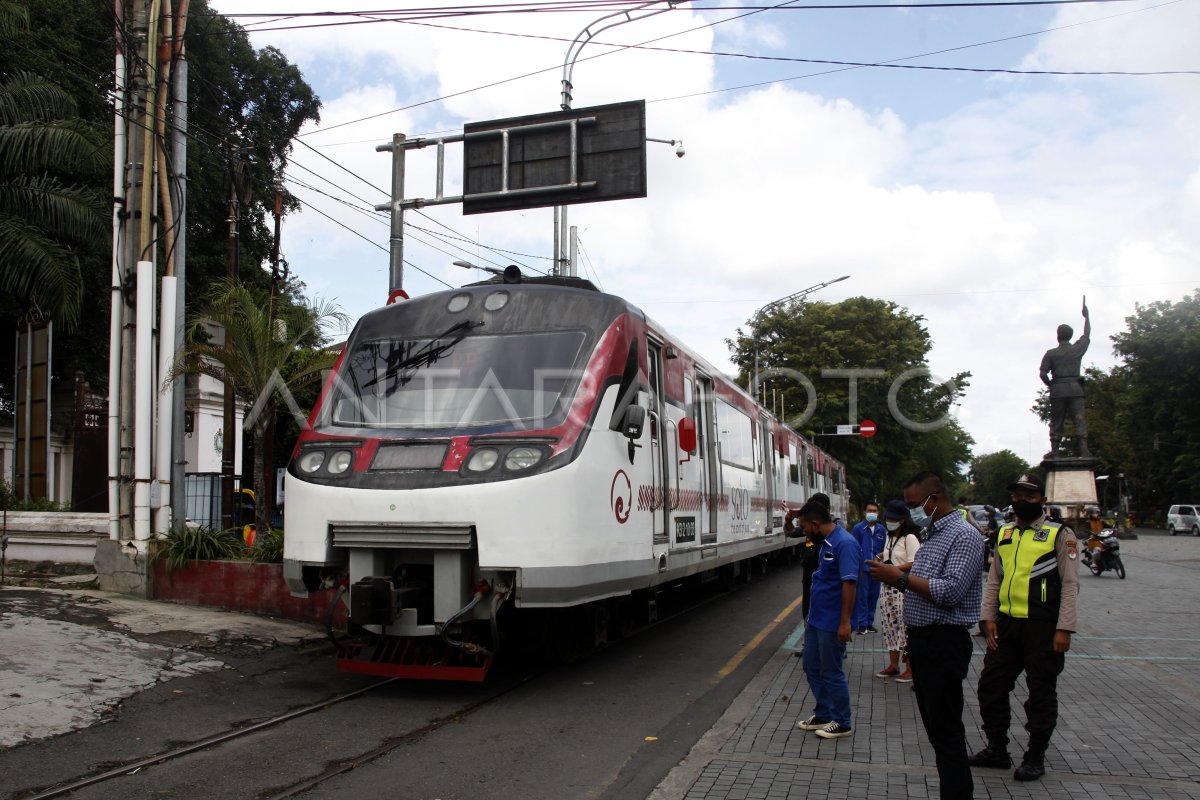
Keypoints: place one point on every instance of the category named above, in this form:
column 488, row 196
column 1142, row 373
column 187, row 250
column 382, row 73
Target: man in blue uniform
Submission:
column 871, row 536
column 828, row 628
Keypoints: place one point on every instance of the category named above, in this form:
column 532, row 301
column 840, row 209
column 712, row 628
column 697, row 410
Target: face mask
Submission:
column 893, row 526
column 918, row 515
column 1026, row 510
column 871, row 517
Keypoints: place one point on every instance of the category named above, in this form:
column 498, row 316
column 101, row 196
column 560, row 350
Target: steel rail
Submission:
column 203, row 744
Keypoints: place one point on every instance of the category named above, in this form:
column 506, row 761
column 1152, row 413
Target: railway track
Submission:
column 282, row 725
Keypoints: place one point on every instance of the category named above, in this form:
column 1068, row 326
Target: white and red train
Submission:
column 529, row 443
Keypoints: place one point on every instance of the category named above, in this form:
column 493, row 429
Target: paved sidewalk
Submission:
column 1137, row 649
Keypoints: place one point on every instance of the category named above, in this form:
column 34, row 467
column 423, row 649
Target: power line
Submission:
column 919, row 55
column 365, row 239
column 892, row 63
column 366, row 17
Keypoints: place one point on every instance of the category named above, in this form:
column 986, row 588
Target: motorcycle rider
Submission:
column 1028, row 616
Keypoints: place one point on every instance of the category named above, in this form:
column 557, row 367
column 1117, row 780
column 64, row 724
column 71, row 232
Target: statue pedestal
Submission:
column 1071, row 483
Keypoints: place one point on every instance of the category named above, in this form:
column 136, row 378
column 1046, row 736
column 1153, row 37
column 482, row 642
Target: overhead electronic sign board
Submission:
column 583, row 155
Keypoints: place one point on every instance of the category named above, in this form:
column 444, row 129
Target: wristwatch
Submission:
column 902, row 582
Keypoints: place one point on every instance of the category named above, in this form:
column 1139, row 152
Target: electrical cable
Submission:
column 306, row 204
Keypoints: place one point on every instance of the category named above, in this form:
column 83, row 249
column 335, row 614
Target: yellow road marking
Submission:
column 747, row 648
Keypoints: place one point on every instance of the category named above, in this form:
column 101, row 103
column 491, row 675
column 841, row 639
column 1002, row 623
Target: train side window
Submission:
column 793, row 467
column 736, row 435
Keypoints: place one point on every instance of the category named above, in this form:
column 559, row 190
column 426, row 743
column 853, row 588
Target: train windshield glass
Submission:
column 452, row 380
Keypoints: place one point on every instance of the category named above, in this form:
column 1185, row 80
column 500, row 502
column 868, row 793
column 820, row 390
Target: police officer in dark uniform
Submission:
column 1028, row 617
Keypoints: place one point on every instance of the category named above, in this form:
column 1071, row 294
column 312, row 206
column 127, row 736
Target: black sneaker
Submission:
column 1029, row 771
column 812, row 723
column 834, row 730
column 872, row 629
column 994, row 757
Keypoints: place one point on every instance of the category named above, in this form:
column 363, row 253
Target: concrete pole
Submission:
column 116, row 304
column 179, row 179
column 143, row 401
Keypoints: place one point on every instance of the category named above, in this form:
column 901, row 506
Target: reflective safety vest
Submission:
column 1031, row 585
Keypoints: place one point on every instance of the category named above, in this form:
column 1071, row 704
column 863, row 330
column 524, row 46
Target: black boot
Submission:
column 1032, row 767
column 994, row 755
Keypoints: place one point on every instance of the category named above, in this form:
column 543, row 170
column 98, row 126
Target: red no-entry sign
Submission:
column 866, row 428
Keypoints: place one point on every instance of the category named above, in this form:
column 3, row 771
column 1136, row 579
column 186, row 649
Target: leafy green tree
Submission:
column 44, row 209
column 239, row 98
column 265, row 354
column 821, row 341
column 1161, row 407
column 990, row 476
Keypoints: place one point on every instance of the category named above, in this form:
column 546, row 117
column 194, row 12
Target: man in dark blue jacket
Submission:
column 871, row 536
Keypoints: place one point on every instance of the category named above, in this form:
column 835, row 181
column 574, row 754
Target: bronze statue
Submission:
column 1066, row 385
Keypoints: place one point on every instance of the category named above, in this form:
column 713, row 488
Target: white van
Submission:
column 1183, row 519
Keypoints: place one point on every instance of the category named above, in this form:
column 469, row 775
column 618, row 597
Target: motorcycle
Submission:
column 1103, row 553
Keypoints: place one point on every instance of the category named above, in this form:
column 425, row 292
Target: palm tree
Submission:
column 41, row 213
column 266, row 354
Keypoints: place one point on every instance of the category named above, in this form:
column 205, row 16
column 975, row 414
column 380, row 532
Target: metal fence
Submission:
column 203, row 493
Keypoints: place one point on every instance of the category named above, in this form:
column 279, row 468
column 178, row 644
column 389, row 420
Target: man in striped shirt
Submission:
column 943, row 593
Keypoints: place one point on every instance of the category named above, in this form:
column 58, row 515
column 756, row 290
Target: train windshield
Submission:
column 456, row 380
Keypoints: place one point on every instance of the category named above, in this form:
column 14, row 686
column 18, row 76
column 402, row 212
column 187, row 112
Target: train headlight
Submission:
column 311, row 461
column 520, row 458
column 340, row 461
column 483, row 459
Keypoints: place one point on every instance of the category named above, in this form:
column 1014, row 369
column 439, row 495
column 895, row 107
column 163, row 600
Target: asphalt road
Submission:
column 610, row 726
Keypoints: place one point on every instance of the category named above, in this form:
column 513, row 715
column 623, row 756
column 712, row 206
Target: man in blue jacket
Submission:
column 871, row 536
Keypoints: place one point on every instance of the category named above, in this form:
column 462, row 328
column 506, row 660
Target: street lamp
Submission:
column 791, row 298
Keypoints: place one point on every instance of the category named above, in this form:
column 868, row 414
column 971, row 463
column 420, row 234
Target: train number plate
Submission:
column 685, row 529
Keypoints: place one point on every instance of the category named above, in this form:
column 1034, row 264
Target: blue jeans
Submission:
column 866, row 602
column 823, row 659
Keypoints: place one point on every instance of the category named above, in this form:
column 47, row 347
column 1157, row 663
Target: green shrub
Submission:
column 268, row 549
column 184, row 543
column 9, row 501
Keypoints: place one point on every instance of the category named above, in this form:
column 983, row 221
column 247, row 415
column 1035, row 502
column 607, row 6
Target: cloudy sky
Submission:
column 988, row 202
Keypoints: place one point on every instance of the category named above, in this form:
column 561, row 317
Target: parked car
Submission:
column 986, row 517
column 1183, row 519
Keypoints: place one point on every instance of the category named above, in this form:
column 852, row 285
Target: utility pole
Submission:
column 133, row 245
column 179, row 98
column 239, row 190
column 564, row 239
column 277, row 280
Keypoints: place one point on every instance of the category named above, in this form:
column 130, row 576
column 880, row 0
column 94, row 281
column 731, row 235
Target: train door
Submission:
column 766, row 451
column 660, row 446
column 706, row 448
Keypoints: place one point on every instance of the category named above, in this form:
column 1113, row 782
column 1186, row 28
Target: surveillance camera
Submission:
column 679, row 151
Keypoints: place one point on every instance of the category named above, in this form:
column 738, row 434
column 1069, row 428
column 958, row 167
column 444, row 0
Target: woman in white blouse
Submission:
column 899, row 549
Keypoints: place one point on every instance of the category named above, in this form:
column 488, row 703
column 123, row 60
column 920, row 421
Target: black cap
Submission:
column 1028, row 481
column 895, row 509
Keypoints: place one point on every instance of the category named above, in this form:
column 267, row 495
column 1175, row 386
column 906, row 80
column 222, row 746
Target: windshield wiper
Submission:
column 428, row 354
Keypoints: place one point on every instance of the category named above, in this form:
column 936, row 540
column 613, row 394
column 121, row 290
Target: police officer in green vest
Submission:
column 1028, row 616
